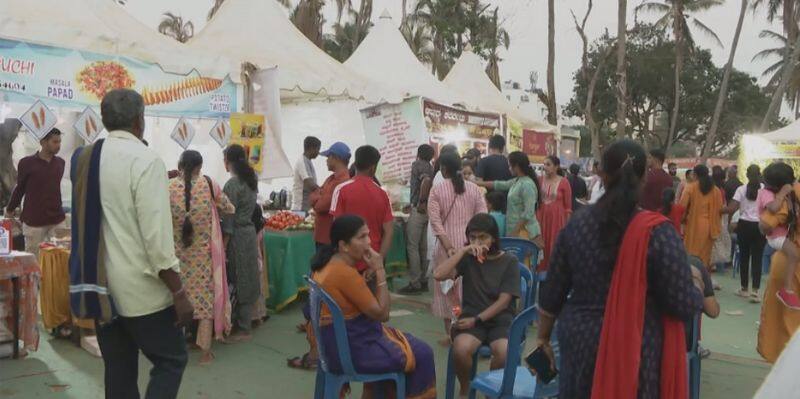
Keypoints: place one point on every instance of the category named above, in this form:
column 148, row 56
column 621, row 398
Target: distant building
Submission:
column 526, row 100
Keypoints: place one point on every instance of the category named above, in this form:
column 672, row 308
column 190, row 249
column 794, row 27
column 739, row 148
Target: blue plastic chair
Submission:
column 521, row 248
column 526, row 301
column 513, row 381
column 329, row 383
column 693, row 359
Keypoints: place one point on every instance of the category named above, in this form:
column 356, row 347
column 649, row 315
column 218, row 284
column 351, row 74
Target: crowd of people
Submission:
column 627, row 254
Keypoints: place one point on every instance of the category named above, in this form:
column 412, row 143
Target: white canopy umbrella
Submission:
column 258, row 31
column 468, row 78
column 384, row 56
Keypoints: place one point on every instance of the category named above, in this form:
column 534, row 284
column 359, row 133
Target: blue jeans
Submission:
column 767, row 258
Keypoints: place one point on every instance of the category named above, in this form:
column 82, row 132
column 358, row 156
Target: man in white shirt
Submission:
column 305, row 177
column 139, row 255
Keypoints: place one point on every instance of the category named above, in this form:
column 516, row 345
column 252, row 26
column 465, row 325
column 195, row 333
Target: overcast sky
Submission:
column 526, row 21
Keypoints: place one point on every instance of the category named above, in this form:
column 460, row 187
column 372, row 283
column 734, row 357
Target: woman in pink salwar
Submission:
column 196, row 203
column 451, row 205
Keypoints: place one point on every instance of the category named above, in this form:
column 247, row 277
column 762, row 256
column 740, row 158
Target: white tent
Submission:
column 258, row 31
column 384, row 56
column 790, row 132
column 103, row 26
column 468, row 78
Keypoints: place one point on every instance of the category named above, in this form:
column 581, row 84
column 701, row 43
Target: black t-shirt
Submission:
column 579, row 190
column 493, row 168
column 483, row 283
column 730, row 188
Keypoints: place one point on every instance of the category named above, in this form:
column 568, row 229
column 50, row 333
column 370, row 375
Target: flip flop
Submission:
column 301, row 328
column 302, row 363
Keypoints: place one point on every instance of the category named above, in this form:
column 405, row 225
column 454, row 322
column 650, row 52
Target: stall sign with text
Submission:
column 66, row 77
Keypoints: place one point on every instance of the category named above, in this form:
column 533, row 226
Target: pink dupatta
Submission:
column 222, row 303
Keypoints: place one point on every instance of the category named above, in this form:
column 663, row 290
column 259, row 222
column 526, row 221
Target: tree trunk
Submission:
column 588, row 109
column 552, row 112
column 622, row 90
column 677, row 28
column 723, row 90
column 792, row 54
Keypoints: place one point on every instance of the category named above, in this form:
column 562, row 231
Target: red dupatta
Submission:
column 616, row 373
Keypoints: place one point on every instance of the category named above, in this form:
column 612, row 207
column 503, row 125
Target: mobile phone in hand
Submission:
column 540, row 363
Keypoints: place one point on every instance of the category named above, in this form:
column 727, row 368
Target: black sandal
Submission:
column 302, row 363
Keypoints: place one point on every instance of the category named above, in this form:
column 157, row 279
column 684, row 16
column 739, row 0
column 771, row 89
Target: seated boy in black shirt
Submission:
column 491, row 282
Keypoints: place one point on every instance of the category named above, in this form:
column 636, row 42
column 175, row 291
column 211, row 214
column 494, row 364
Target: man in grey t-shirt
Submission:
column 417, row 226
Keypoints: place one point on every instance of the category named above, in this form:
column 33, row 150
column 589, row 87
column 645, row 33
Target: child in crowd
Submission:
column 777, row 194
column 702, row 280
column 468, row 171
column 491, row 282
column 496, row 201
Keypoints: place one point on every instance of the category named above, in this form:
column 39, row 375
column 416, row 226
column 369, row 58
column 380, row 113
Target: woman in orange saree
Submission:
column 778, row 322
column 703, row 203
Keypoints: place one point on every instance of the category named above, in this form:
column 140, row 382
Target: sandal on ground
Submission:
column 207, row 362
column 755, row 298
column 301, row 328
column 303, row 363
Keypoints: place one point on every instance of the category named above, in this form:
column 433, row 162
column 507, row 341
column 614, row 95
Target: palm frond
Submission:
column 769, row 53
column 653, row 7
column 773, row 69
column 703, row 28
column 769, row 34
column 702, row 5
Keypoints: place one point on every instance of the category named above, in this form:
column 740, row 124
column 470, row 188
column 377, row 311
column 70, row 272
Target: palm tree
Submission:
column 622, row 75
column 677, row 14
column 788, row 12
column 774, row 70
column 723, row 90
column 494, row 36
column 346, row 37
column 418, row 37
column 792, row 54
column 552, row 112
column 437, row 16
column 173, row 26
column 307, row 17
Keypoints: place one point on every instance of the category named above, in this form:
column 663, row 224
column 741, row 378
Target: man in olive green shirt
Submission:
column 139, row 255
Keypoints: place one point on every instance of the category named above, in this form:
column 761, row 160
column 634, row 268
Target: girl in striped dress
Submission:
column 452, row 203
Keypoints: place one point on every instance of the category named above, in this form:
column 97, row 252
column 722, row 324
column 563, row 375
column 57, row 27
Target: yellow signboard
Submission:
column 248, row 131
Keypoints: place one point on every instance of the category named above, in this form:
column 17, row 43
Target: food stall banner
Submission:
column 465, row 129
column 396, row 130
column 247, row 130
column 66, row 77
column 538, row 145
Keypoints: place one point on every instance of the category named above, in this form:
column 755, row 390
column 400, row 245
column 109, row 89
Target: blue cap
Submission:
column 339, row 150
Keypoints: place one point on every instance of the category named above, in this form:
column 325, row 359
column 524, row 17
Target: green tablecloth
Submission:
column 288, row 256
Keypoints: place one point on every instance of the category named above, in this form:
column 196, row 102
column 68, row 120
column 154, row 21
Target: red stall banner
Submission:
column 538, row 145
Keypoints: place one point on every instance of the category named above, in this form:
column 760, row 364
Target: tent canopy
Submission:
column 103, row 26
column 468, row 78
column 259, row 32
column 790, row 132
column 384, row 56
